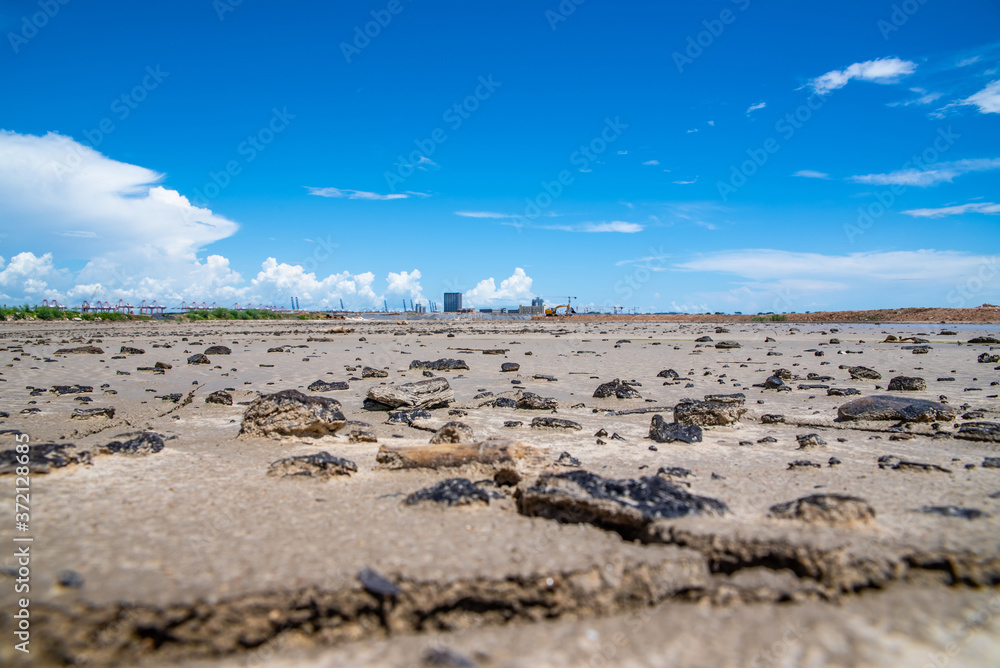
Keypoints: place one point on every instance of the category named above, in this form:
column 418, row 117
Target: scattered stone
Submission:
column 727, row 345
column 86, row 413
column 980, row 339
column 425, row 394
column 703, row 339
column 220, row 397
column 771, row 418
column 408, row 416
column 986, row 358
column 70, row 579
column 616, row 389
column 807, row 441
column 511, row 424
column 842, row 391
column 444, row 364
column 668, row 373
column 510, row 366
column 361, row 436
column 198, row 358
column 567, row 460
column 954, row 511
column 662, row 431
column 532, row 402
column 554, row 423
column 451, row 492
column 71, row 389
column 163, row 366
column 885, row 407
column 863, row 373
column 328, row 386
column 626, row 506
column 377, row 584
column 896, row 464
column 141, row 443
column 80, row 350
column 443, row 657
column 826, row 508
column 368, row 372
column 129, row 350
column 773, row 383
column 991, row 463
column 803, row 464
column 44, row 457
column 292, row 413
column 979, row 431
column 454, row 432
column 907, row 384
column 218, row 350
column 502, row 455
column 707, row 413
column 320, row 465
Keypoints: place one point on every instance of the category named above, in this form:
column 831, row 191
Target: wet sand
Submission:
column 194, row 553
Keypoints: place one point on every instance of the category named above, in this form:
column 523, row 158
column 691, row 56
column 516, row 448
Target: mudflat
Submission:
column 428, row 493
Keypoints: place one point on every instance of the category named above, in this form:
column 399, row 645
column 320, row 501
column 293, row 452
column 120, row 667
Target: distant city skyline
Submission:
column 727, row 155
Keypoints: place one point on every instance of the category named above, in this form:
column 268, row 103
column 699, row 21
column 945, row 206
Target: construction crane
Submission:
column 568, row 306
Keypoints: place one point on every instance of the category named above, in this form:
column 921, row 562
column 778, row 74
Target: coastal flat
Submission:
column 194, row 553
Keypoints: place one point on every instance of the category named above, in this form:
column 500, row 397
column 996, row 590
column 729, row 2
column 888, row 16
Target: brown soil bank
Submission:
column 987, row 313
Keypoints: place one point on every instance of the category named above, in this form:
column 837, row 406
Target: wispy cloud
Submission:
column 811, row 174
column 484, row 214
column 924, row 97
column 687, row 183
column 343, row 193
column 972, row 207
column 616, row 226
column 78, row 234
column 642, row 260
column 755, row 107
column 932, row 175
column 882, row 71
column 987, row 100
column 651, row 162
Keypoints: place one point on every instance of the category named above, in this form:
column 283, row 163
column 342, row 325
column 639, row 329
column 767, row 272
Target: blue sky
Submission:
column 722, row 155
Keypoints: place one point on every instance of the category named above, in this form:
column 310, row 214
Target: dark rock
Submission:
column 451, row 492
column 842, row 391
column 864, row 373
column 85, row 413
column 141, row 443
column 328, row 386
column 443, row 657
column 292, row 413
column 70, row 579
column 773, row 383
column 71, row 389
column 707, row 413
column 368, row 372
column 662, row 431
column 979, row 431
column 771, row 418
column 444, row 364
column 377, row 584
column 826, row 508
column 984, row 339
column 885, row 407
column 80, row 350
column 430, row 393
column 43, row 457
column 319, row 465
column 511, row 424
column 220, row 397
column 668, row 373
column 986, row 358
column 727, row 345
column 218, row 350
column 991, row 463
column 737, row 398
column 198, row 358
column 954, row 511
column 907, row 384
column 807, row 441
column 897, row 464
column 454, row 432
column 567, row 460
column 361, row 436
column 128, row 350
column 408, row 416
column 532, row 402
column 554, row 423
column 703, row 339
column 803, row 464
column 626, row 506
column 616, row 389
column 163, row 366
column 499, row 402
column 510, row 366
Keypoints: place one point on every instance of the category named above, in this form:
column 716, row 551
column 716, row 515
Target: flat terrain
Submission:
column 193, row 554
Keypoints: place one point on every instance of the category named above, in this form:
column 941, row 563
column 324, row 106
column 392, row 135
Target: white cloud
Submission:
column 987, row 100
column 755, row 107
column 278, row 281
column 932, row 175
column 354, row 194
column 882, row 71
column 651, row 162
column 968, row 61
column 925, row 97
column 614, row 226
column 513, row 291
column 972, row 207
column 404, row 283
column 811, row 174
column 484, row 214
column 687, row 183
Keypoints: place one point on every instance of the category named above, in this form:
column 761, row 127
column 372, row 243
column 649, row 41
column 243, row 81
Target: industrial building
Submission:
column 452, row 302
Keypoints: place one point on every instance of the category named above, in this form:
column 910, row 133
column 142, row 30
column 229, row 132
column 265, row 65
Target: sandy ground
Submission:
column 195, row 554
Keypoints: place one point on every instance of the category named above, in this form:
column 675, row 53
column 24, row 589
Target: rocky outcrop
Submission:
column 423, row 394
column 885, row 407
column 292, row 413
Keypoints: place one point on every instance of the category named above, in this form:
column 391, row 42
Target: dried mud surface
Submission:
column 830, row 542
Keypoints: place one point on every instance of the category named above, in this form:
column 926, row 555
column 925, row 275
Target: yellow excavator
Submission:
column 568, row 306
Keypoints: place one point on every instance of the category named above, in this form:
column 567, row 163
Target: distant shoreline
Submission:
column 986, row 314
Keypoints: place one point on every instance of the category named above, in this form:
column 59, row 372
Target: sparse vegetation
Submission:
column 773, row 317
column 231, row 314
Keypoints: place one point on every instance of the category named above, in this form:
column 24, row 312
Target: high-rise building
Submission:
column 452, row 302
column 538, row 301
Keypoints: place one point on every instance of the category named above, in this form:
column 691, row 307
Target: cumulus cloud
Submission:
column 987, row 100
column 882, row 71
column 405, row 283
column 513, row 291
column 279, row 280
column 972, row 207
column 755, row 107
column 931, row 175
